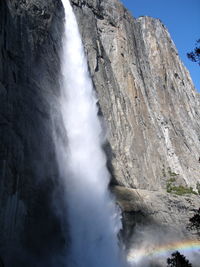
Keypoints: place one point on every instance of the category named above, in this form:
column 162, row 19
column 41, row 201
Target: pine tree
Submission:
column 195, row 55
column 195, row 222
column 178, row 260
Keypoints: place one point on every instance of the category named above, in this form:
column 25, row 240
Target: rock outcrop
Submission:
column 150, row 107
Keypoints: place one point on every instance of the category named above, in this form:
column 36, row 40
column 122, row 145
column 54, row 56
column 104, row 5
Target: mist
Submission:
column 151, row 246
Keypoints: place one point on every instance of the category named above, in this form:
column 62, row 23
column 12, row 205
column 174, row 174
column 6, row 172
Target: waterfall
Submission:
column 94, row 221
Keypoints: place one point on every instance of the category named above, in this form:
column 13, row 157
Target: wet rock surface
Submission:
column 155, row 211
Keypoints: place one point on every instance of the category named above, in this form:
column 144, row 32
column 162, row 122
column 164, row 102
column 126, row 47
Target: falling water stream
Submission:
column 93, row 219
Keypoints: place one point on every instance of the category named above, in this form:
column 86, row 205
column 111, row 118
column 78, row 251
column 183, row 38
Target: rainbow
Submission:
column 136, row 255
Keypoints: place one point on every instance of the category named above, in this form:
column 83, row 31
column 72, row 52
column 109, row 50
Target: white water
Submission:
column 94, row 221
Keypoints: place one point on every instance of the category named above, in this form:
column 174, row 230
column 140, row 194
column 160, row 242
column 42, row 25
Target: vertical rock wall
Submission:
column 146, row 95
column 30, row 38
column 151, row 112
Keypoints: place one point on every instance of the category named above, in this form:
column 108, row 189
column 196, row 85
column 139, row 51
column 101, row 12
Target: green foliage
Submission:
column 171, row 180
column 169, row 186
column 163, row 171
column 171, row 174
column 195, row 54
column 195, row 222
column 172, row 188
column 178, row 190
column 181, row 190
column 198, row 187
column 168, row 172
column 178, row 260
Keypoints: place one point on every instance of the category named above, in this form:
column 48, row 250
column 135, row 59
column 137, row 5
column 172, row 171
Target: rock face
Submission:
column 148, row 102
column 146, row 96
column 156, row 212
column 150, row 107
column 30, row 34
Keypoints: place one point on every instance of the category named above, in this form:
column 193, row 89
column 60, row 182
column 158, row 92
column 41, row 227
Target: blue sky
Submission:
column 182, row 18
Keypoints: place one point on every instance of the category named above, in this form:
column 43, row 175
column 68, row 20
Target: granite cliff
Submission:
column 151, row 111
column 30, row 34
column 149, row 106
